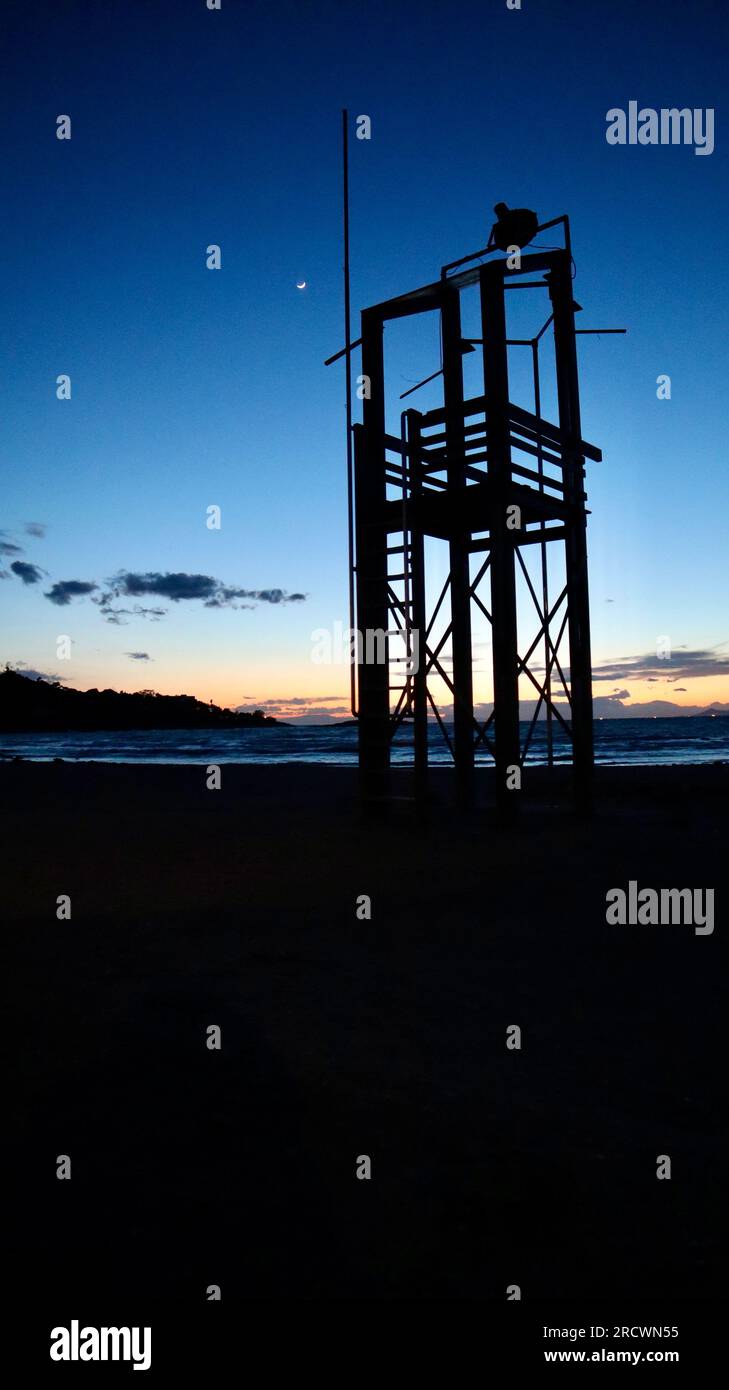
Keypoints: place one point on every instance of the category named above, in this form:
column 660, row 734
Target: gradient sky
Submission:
column 193, row 387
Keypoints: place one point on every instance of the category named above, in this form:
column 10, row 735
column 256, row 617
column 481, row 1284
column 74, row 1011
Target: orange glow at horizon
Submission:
column 305, row 689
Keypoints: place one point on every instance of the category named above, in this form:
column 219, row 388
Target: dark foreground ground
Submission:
column 343, row 1037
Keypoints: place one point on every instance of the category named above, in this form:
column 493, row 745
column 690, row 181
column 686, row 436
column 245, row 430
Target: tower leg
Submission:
column 416, row 561
column 576, row 542
column 460, row 573
column 502, row 570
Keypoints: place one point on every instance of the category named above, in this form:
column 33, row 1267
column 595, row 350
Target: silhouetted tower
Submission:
column 502, row 486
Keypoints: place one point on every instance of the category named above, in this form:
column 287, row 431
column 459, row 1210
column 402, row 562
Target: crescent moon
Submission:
column 301, row 284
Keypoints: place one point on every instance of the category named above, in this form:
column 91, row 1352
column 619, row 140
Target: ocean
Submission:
column 701, row 739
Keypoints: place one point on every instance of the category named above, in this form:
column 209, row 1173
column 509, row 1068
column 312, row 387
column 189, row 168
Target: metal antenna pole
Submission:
column 348, row 408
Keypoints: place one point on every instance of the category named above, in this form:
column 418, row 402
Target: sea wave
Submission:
column 700, row 739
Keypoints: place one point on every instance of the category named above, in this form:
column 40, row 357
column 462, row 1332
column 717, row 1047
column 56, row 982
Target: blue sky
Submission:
column 193, row 387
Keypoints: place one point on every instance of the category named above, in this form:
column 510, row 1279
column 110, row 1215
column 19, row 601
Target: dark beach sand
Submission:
column 342, row 1038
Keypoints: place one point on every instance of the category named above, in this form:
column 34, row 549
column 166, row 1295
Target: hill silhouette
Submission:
column 48, row 707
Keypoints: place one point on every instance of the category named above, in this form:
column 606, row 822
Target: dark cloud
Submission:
column 36, row 528
column 298, row 710
column 172, row 585
column 30, row 574
column 175, row 586
column 117, row 616
column 10, row 548
column 179, row 585
column 313, row 709
column 259, row 595
column 684, row 664
column 308, row 700
column 66, row 589
column 228, row 603
column 34, row 675
column 139, row 656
